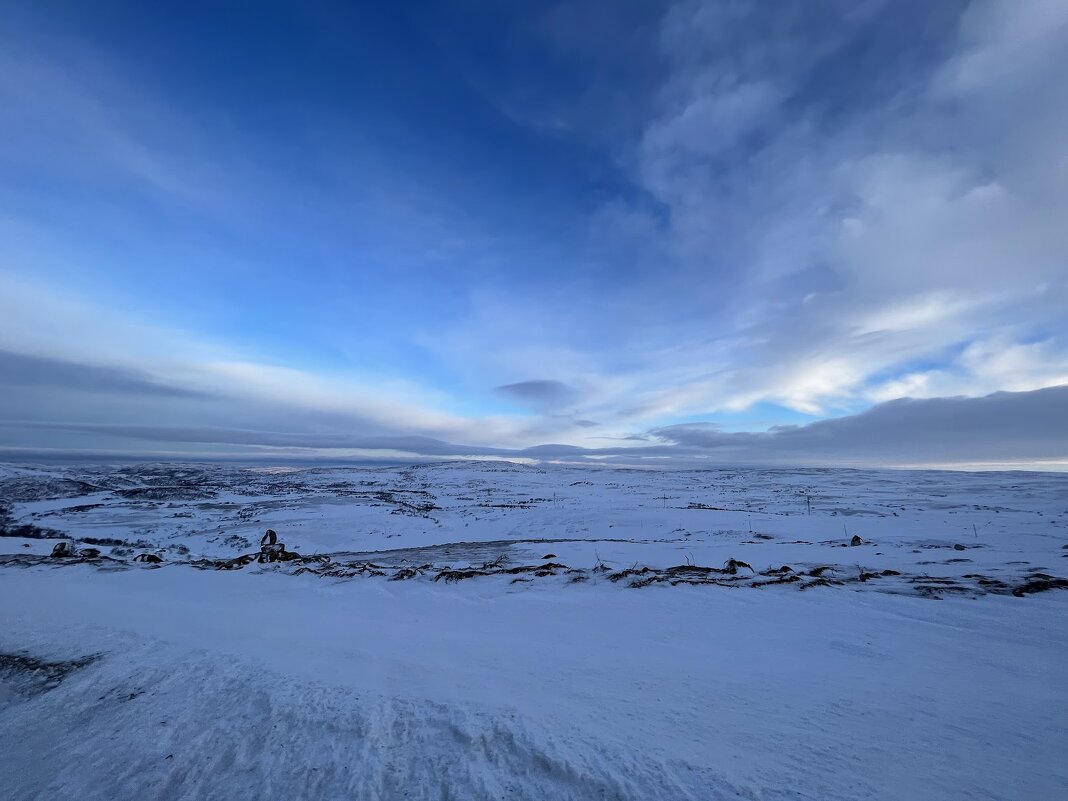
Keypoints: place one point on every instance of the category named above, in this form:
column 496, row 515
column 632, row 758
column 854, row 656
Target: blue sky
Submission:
column 503, row 225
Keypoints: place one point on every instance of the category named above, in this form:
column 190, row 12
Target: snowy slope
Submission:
column 241, row 686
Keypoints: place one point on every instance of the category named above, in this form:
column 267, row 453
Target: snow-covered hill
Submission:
column 559, row 633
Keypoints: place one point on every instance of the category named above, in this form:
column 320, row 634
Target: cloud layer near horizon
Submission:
column 1004, row 428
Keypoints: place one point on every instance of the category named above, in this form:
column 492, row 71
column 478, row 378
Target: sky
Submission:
column 822, row 232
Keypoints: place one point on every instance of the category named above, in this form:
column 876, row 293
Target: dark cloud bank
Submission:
column 542, row 393
column 1005, row 427
column 19, row 369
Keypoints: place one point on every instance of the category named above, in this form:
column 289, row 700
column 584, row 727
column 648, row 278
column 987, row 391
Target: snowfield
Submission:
column 490, row 630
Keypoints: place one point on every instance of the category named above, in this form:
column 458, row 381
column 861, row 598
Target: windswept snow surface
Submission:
column 121, row 680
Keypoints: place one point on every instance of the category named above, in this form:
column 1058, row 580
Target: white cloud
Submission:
column 983, row 367
column 853, row 247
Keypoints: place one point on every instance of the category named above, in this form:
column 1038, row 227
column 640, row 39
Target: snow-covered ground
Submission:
column 553, row 645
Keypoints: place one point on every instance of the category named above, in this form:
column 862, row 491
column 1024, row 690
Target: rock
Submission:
column 62, row 550
column 549, row 556
column 271, row 552
column 731, row 566
column 958, row 547
column 148, row 557
column 856, row 541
